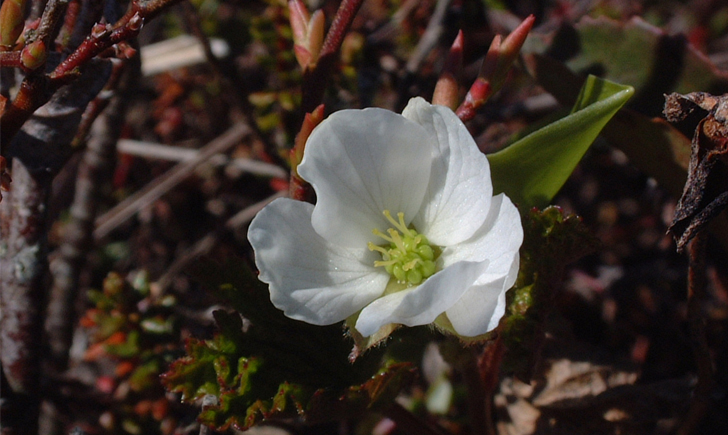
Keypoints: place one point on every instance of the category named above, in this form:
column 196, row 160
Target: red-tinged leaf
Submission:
column 276, row 367
column 193, row 375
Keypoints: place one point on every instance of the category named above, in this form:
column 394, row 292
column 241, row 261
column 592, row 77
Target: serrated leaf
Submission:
column 532, row 170
column 193, row 375
column 271, row 366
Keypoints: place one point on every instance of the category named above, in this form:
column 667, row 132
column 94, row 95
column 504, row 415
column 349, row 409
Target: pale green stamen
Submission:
column 408, row 257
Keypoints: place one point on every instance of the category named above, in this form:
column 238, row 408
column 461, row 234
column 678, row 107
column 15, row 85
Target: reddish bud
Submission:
column 310, row 121
column 514, row 41
column 11, row 22
column 34, row 55
column 503, row 53
column 299, row 18
column 446, row 90
column 136, row 22
column 498, row 61
column 308, row 33
column 298, row 188
column 99, row 31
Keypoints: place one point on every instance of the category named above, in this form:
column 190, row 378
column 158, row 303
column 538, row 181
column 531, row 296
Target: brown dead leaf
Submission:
column 706, row 192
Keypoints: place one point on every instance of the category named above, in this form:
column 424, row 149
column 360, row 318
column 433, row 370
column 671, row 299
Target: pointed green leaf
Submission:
column 532, row 170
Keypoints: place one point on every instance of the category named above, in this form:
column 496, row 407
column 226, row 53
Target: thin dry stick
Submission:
column 163, row 184
column 429, row 39
column 427, row 42
column 205, row 245
column 93, row 173
column 389, row 31
column 151, row 150
column 697, row 284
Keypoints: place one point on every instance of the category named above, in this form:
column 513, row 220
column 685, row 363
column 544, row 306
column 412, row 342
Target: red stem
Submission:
column 33, row 95
column 314, row 81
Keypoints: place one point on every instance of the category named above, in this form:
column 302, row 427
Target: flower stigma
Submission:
column 408, row 257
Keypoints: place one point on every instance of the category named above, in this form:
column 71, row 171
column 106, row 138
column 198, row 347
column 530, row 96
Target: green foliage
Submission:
column 269, row 366
column 551, row 241
column 138, row 333
column 533, row 169
column 651, row 144
column 634, row 53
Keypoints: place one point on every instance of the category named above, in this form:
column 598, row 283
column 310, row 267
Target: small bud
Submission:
column 124, row 50
column 308, row 33
column 11, row 21
column 33, row 55
column 299, row 19
column 298, row 188
column 498, row 61
column 446, row 90
column 503, row 53
column 136, row 22
column 99, row 31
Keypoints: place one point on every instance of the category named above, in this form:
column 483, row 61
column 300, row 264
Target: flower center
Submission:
column 408, row 256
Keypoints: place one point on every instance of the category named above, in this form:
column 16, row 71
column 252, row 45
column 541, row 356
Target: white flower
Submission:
column 405, row 229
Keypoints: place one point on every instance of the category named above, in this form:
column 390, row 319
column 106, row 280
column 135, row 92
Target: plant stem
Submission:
column 408, row 423
column 22, row 272
column 315, row 80
column 697, row 284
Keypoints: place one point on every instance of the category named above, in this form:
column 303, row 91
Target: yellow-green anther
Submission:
column 33, row 55
column 11, row 21
column 408, row 256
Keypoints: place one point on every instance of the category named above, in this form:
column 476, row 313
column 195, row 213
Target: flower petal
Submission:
column 498, row 238
column 361, row 162
column 480, row 309
column 422, row 304
column 460, row 189
column 310, row 279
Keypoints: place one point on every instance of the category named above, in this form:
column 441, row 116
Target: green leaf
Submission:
column 271, row 366
column 651, row 144
column 532, row 170
column 632, row 52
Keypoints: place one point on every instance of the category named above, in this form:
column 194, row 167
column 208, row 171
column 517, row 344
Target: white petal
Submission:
column 422, row 304
column 460, row 190
column 480, row 309
column 497, row 240
column 310, row 279
column 361, row 162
